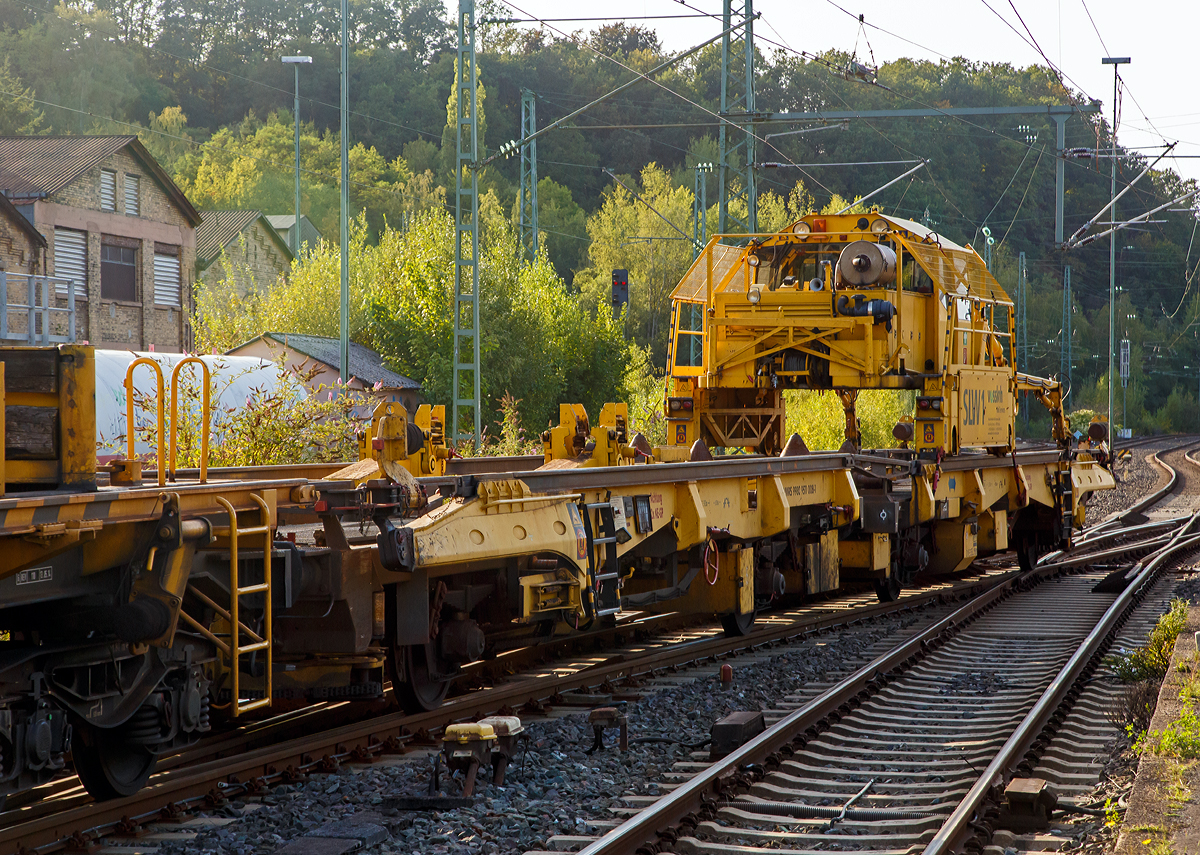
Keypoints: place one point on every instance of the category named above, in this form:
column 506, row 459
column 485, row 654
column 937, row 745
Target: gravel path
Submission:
column 556, row 788
column 1135, row 479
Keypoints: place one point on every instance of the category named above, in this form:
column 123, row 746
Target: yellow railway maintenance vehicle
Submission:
column 607, row 523
column 136, row 607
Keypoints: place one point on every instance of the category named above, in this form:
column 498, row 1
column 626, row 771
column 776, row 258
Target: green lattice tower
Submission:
column 466, row 235
column 737, row 176
column 528, row 205
column 1064, row 370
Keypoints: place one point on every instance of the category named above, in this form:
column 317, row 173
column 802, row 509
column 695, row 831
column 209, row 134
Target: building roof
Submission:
column 47, row 164
column 365, row 364
column 13, row 213
column 283, row 224
column 219, row 228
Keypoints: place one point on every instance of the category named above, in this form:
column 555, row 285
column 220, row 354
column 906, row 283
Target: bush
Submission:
column 820, row 419
column 287, row 424
column 1151, row 661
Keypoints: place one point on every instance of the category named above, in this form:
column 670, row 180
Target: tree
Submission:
column 19, row 114
column 627, row 234
column 251, row 167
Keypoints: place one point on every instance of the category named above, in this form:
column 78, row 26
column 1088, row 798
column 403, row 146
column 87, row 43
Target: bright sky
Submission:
column 1155, row 34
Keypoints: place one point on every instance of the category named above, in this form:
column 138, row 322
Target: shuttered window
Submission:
column 70, row 261
column 108, row 190
column 167, row 290
column 132, row 185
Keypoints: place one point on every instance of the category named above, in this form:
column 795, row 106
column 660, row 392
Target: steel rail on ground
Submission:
column 656, row 824
column 250, row 771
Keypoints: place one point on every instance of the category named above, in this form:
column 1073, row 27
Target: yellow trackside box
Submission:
column 49, row 405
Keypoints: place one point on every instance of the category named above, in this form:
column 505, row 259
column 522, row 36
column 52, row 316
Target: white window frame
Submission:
column 108, row 190
column 133, row 189
column 167, row 293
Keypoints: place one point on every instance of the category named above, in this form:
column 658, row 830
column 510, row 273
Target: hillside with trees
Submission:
column 202, row 84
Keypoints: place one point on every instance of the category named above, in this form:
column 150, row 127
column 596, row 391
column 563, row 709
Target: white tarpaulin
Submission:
column 235, row 380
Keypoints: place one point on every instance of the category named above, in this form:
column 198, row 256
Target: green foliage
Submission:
column 538, row 345
column 1179, row 740
column 643, row 389
column 1150, row 661
column 287, row 424
column 820, row 419
column 252, row 166
column 626, row 233
column 18, row 113
column 512, row 439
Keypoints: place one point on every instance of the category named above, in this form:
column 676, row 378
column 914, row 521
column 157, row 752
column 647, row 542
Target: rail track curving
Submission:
column 271, row 752
column 911, row 753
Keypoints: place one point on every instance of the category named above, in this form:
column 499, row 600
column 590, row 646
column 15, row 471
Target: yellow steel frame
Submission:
column 206, row 384
column 234, row 649
column 129, row 423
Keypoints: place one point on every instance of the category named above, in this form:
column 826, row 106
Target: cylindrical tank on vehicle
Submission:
column 863, row 263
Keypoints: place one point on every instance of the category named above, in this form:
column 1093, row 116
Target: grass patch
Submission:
column 1151, row 660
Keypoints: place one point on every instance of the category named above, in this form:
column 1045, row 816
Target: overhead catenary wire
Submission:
column 659, row 84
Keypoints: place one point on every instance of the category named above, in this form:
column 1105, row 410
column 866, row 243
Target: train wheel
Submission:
column 419, row 690
column 108, row 766
column 1028, row 552
column 888, row 590
column 737, row 625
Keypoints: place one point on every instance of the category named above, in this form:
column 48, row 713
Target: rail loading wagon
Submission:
column 142, row 605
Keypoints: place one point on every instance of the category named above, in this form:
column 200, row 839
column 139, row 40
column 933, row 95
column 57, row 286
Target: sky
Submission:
column 1154, row 105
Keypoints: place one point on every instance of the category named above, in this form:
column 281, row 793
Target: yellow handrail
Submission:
column 195, row 360
column 129, row 426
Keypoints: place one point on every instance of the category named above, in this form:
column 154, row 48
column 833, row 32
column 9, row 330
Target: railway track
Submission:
column 911, row 752
column 247, row 762
column 260, row 760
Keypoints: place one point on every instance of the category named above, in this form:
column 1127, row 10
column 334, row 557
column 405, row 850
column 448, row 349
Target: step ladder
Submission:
column 234, row 649
column 605, row 572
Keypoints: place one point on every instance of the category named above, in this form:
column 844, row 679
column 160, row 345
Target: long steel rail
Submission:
column 660, row 824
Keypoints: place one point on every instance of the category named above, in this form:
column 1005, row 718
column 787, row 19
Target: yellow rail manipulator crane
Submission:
column 608, row 524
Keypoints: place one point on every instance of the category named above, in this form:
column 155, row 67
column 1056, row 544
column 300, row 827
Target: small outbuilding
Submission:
column 317, row 358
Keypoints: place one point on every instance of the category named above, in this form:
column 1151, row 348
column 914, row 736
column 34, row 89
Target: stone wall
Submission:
column 257, row 260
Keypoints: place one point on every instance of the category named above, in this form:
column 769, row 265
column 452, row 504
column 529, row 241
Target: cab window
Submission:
column 689, row 336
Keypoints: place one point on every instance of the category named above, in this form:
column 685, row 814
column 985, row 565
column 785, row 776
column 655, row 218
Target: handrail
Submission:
column 129, row 425
column 207, row 411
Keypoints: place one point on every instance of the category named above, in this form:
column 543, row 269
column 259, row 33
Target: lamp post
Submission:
column 296, row 62
column 1116, row 62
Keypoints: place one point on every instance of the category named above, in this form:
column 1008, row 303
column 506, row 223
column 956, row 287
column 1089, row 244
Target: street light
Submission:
column 296, row 62
column 1116, row 62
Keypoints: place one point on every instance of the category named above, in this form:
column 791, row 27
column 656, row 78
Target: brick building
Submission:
column 22, row 247
column 258, row 255
column 116, row 224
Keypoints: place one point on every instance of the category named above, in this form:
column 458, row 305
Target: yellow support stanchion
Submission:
column 207, row 410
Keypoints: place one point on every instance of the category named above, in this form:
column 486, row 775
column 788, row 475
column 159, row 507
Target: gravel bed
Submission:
column 556, row 788
column 1135, row 479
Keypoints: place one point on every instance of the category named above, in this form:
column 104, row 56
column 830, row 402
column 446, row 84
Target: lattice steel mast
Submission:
column 466, row 235
column 737, row 177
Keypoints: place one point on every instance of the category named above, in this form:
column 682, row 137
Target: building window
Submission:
column 118, row 273
column 70, row 261
column 131, row 195
column 167, row 281
column 108, row 190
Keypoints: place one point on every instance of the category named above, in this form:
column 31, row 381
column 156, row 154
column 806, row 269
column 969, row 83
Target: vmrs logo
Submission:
column 974, row 404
